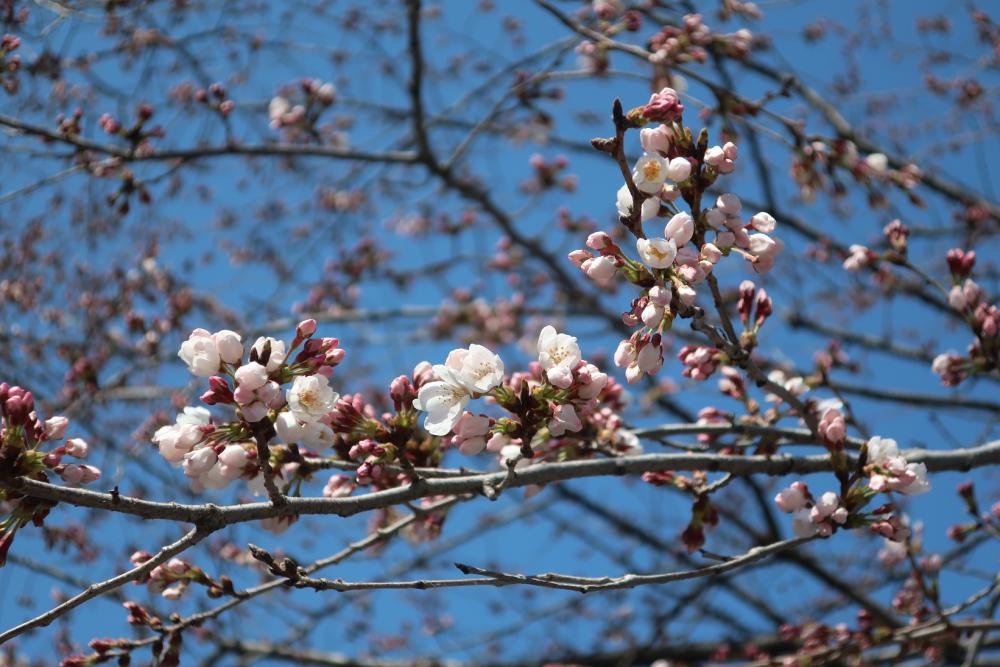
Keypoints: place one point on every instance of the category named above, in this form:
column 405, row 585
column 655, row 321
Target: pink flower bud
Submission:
column 680, row 228
column 729, row 204
column 598, row 241
column 660, row 294
column 625, row 355
column 664, row 106
column 711, row 253
column 305, row 328
column 76, row 447
column 578, row 257
column 55, row 427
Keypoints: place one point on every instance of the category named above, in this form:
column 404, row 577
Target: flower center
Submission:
column 309, row 399
column 651, row 170
column 558, row 354
column 482, row 370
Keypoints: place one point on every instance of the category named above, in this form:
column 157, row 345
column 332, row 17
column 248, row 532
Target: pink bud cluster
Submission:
column 832, row 428
column 10, row 63
column 642, row 354
column 889, row 471
column 215, row 98
column 24, row 431
column 750, row 299
column 663, row 107
column 700, row 362
column 548, row 174
column 752, row 239
column 601, row 268
column 169, row 579
column 811, row 516
column 983, row 317
column 723, row 158
column 373, row 457
column 297, row 109
column 815, row 162
column 690, row 41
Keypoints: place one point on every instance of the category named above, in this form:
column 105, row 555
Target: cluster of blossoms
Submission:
column 859, row 256
column 548, row 175
column 562, row 401
column 671, row 266
column 23, row 435
column 10, row 63
column 468, row 318
column 701, row 361
column 214, row 97
column 813, row 162
column 885, row 470
column 983, row 317
column 212, row 454
column 692, row 40
column 297, row 110
column 172, row 578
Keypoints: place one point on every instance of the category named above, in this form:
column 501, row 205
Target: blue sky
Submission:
column 187, row 226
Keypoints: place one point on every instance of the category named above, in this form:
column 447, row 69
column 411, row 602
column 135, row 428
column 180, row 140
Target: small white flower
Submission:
column 200, row 353
column 657, row 253
column 443, row 401
column 650, row 173
column 317, row 435
column 176, row 440
column 288, row 427
column 558, row 354
column 624, row 202
column 881, row 450
column 310, row 397
column 230, row 346
column 802, row 524
column 55, row 427
column 477, row 368
column 277, row 108
column 763, row 222
column 762, row 245
column 729, row 204
column 878, row 163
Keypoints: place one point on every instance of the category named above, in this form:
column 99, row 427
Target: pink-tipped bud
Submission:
column 77, row 447
column 306, row 328
column 55, row 427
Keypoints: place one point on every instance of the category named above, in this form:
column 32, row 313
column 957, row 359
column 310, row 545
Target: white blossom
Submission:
column 311, row 397
column 650, row 173
column 200, row 353
column 558, row 354
column 657, row 252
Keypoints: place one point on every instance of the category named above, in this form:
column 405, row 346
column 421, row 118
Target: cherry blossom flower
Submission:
column 624, row 203
column 176, row 440
column 466, row 371
column 564, row 418
column 200, row 353
column 650, row 172
column 601, row 269
column 657, row 252
column 558, row 354
column 311, row 397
